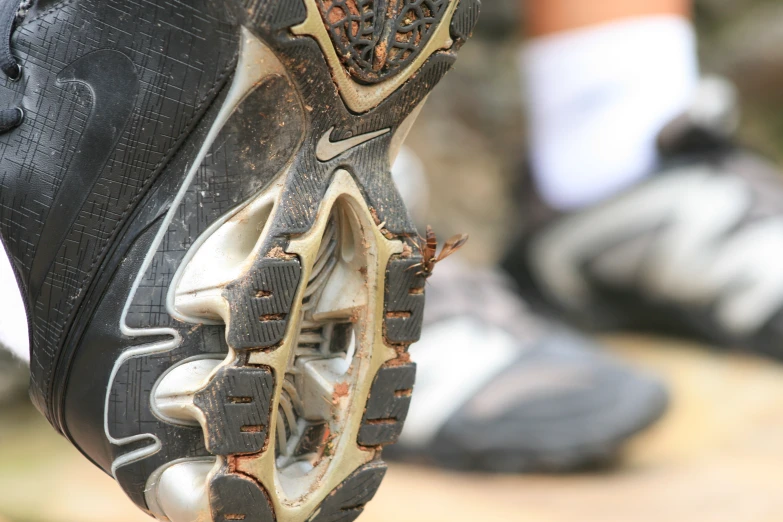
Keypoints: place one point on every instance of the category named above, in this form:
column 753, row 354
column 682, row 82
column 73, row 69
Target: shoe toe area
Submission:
column 561, row 406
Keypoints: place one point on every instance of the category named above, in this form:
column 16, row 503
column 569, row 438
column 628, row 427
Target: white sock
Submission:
column 13, row 320
column 597, row 99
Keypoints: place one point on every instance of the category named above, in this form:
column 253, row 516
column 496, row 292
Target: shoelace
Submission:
column 11, row 13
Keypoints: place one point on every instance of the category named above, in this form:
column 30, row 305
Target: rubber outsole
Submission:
column 273, row 324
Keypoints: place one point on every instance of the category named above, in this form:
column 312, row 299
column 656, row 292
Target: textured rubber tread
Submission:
column 236, row 404
column 404, row 301
column 347, row 501
column 275, row 15
column 370, row 53
column 465, row 19
column 260, row 303
column 387, row 407
column 236, row 497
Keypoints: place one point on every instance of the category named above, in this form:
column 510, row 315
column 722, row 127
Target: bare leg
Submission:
column 552, row 16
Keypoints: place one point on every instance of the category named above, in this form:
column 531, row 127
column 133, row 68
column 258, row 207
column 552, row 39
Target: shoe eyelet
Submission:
column 21, row 115
column 17, row 75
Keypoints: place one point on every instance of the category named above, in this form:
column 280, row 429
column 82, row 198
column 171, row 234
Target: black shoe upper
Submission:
column 110, row 91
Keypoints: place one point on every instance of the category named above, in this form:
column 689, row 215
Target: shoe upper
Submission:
column 501, row 389
column 693, row 249
column 110, row 90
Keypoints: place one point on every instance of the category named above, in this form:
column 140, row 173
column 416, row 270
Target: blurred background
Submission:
column 715, row 456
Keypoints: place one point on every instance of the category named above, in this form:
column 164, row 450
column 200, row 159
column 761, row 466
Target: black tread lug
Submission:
column 236, row 497
column 260, row 303
column 388, row 405
column 465, row 19
column 404, row 301
column 236, row 404
column 275, row 15
column 347, row 501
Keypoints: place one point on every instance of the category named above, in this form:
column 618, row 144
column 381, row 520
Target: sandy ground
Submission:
column 715, row 457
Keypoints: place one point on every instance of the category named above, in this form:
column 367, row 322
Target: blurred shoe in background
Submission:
column 693, row 249
column 499, row 388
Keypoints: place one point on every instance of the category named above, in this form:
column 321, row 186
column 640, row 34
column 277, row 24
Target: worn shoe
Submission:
column 197, row 204
column 500, row 389
column 693, row 250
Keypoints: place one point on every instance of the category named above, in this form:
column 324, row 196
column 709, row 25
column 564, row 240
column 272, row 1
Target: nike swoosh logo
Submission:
column 113, row 82
column 327, row 149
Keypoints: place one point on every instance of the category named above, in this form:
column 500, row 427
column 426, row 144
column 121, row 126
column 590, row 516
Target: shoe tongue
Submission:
column 707, row 125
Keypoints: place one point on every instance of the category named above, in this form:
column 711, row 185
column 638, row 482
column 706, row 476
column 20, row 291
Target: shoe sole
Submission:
column 310, row 277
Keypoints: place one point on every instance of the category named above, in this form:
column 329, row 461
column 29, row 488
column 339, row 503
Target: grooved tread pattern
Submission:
column 404, row 301
column 465, row 19
column 347, row 501
column 275, row 15
column 387, row 407
column 236, row 497
column 259, row 321
column 236, row 404
column 373, row 45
